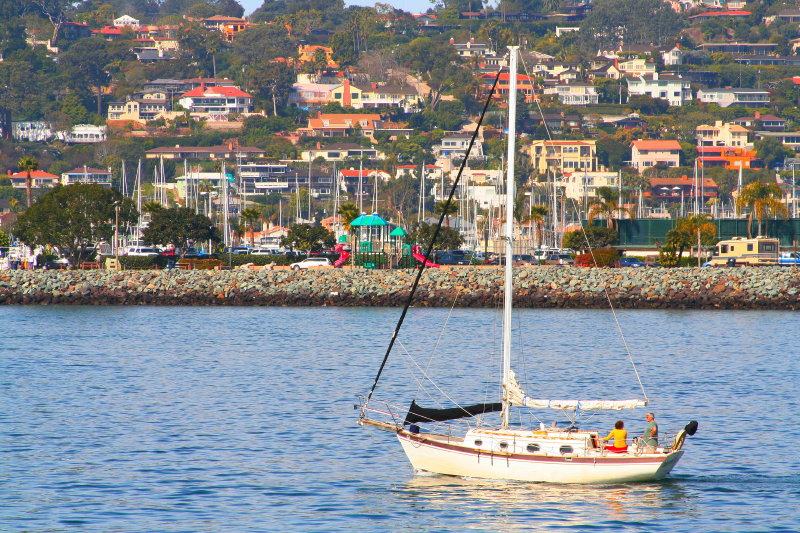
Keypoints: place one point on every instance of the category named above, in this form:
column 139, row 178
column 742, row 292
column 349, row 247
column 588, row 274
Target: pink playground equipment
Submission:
column 416, row 253
column 343, row 255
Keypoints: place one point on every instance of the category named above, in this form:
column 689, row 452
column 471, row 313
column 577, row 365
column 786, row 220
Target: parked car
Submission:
column 141, row 251
column 56, row 264
column 450, row 258
column 629, row 262
column 238, row 250
column 169, row 252
column 194, row 253
column 652, row 261
column 523, row 260
column 559, row 259
column 265, row 251
column 312, row 262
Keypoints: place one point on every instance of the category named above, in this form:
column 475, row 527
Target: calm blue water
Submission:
column 159, row 419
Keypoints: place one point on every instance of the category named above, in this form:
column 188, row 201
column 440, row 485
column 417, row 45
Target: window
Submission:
column 532, row 448
column 338, row 96
column 478, row 442
column 750, row 247
column 767, row 247
column 503, row 445
column 354, row 96
column 565, row 449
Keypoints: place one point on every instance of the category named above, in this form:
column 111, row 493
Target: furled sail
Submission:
column 424, row 414
column 516, row 396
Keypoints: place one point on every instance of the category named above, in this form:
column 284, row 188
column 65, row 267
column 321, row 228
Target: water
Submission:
column 130, row 419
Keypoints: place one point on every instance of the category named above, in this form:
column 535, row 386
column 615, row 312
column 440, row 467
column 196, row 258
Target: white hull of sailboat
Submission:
column 452, row 458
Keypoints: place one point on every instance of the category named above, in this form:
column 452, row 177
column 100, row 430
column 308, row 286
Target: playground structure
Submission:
column 416, row 253
column 343, row 255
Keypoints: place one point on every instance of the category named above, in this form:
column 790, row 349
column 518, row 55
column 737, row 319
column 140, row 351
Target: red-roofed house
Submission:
column 645, row 154
column 96, row 176
column 109, row 33
column 39, row 179
column 354, row 180
column 525, row 85
column 676, row 189
column 217, row 100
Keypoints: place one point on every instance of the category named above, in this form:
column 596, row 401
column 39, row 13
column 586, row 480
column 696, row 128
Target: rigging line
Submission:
column 613, row 311
column 427, row 377
column 434, row 237
column 591, row 251
column 439, row 339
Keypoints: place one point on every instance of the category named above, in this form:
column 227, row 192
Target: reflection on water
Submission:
column 508, row 507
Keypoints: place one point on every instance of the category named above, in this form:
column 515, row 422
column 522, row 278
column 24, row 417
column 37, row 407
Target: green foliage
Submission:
column 308, row 238
column 603, row 257
column 179, row 226
column 772, row 151
column 648, row 105
column 84, row 65
column 73, row 218
column 612, row 153
column 73, row 108
column 597, row 236
column 643, row 21
column 448, row 238
column 5, row 241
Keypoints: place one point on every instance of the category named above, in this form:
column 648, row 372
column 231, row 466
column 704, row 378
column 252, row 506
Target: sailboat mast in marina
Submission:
column 504, row 452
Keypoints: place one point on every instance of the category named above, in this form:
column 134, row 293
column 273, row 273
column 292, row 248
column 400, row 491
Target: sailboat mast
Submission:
column 509, row 236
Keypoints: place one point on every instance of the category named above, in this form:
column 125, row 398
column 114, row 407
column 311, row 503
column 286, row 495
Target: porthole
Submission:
column 565, row 449
column 503, row 445
column 478, row 442
column 533, row 448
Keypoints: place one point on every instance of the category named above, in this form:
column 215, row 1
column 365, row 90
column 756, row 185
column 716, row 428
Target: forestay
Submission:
column 516, row 396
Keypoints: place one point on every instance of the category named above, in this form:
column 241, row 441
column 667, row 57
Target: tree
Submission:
column 28, row 165
column 448, row 238
column 763, row 200
column 538, row 214
column 84, row 64
column 309, row 238
column 772, row 151
column 179, row 226
column 250, row 216
column 703, row 231
column 448, row 208
column 74, row 218
column 607, row 205
column 349, row 212
column 632, row 21
column 436, row 63
column 597, row 237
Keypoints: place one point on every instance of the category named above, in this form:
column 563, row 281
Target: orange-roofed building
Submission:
column 307, row 52
column 526, row 86
column 726, row 157
column 39, row 179
column 646, row 154
column 341, row 124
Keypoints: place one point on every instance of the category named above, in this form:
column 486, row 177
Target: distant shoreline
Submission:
column 535, row 287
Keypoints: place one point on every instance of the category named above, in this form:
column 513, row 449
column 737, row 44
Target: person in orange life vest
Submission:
column 620, row 437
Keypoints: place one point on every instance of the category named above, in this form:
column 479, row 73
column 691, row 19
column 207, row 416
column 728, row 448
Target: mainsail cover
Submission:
column 417, row 413
column 516, row 396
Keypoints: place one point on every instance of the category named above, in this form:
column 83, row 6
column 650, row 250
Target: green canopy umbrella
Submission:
column 368, row 220
column 398, row 232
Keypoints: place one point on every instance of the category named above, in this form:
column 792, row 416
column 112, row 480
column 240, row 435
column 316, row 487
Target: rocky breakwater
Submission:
column 646, row 288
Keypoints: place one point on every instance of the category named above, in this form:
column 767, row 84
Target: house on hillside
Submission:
column 727, row 134
column 341, row 125
column 564, row 156
column 341, row 152
column 225, row 151
column 734, row 97
column 645, row 154
column 221, row 100
column 126, row 21
column 761, row 122
column 87, row 175
column 39, row 179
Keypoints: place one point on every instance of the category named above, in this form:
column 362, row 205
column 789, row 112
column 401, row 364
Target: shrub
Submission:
column 602, row 257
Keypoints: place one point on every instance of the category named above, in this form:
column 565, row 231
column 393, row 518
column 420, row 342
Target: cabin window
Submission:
column 767, row 247
column 724, row 249
column 750, row 247
column 732, row 247
column 532, row 448
column 478, row 442
column 565, row 449
column 503, row 445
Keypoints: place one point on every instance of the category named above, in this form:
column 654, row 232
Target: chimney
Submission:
column 472, row 40
column 346, row 102
column 374, row 85
column 757, row 115
column 319, row 145
column 452, row 41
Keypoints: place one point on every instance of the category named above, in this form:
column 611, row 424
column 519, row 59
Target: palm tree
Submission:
column 446, row 208
column 152, row 207
column 538, row 214
column 250, row 216
column 28, row 164
column 607, row 205
column 702, row 227
column 348, row 212
column 763, row 199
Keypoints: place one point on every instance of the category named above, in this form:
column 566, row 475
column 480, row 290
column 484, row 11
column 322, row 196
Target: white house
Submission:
column 87, row 175
column 126, row 21
column 580, row 185
column 734, row 97
column 575, row 93
column 217, row 100
column 672, row 88
column 84, row 134
column 673, row 56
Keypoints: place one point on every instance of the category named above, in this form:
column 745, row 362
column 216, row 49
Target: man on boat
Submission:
column 650, row 437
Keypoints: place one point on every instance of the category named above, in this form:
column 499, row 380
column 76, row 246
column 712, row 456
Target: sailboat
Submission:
column 508, row 452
